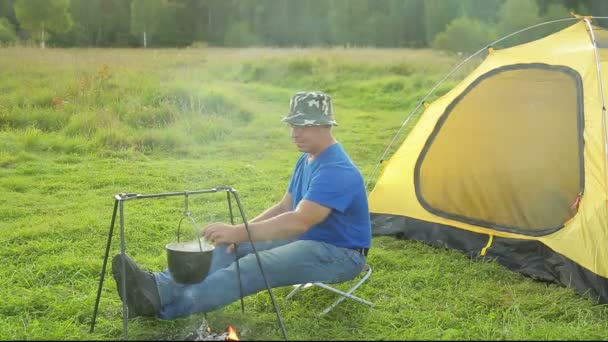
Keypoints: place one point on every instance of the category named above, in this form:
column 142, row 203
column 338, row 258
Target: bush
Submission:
column 199, row 45
column 75, row 36
column 167, row 140
column 553, row 12
column 115, row 139
column 7, row 32
column 514, row 15
column 255, row 72
column 300, row 67
column 82, row 124
column 239, row 34
column 464, row 35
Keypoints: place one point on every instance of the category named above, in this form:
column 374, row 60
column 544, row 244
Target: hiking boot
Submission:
column 142, row 294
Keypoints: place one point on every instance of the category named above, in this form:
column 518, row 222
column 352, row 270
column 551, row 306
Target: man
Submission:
column 319, row 232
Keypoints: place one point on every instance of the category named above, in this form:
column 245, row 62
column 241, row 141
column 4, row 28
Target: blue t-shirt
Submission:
column 333, row 181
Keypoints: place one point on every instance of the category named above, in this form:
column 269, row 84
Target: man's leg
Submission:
column 298, row 262
column 222, row 259
column 142, row 292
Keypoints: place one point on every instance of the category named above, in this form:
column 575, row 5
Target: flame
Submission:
column 232, row 336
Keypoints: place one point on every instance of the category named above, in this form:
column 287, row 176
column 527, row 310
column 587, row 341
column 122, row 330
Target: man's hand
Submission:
column 218, row 233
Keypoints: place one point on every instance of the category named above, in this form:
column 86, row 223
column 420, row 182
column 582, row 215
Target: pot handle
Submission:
column 196, row 233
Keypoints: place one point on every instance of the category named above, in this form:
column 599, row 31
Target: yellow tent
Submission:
column 512, row 163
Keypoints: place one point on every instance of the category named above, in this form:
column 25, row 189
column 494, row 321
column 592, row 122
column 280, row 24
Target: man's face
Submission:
column 307, row 138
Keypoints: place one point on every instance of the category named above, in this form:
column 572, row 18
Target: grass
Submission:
column 78, row 126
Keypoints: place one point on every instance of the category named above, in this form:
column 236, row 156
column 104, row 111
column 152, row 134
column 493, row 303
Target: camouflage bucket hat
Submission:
column 310, row 108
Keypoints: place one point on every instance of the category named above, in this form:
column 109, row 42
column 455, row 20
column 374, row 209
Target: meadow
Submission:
column 78, row 126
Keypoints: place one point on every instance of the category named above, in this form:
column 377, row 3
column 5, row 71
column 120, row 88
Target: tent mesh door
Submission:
column 507, row 152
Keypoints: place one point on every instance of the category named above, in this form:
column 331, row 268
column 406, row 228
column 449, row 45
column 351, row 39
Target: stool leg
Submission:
column 348, row 293
column 344, row 296
column 296, row 290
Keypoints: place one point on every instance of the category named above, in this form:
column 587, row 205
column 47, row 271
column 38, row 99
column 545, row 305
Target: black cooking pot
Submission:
column 189, row 262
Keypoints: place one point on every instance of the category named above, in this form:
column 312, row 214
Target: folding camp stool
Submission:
column 367, row 271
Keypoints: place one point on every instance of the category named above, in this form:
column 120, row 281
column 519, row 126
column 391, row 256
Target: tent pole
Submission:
column 601, row 90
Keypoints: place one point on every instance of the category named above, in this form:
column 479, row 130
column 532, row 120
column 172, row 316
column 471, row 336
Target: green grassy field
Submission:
column 79, row 126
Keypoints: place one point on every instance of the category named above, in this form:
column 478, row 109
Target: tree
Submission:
column 387, row 23
column 482, row 10
column 144, row 17
column 515, row 15
column 348, row 19
column 406, row 19
column 40, row 16
column 438, row 14
column 7, row 32
column 192, row 20
column 554, row 11
column 6, row 10
column 86, row 16
column 464, row 35
column 115, row 22
column 595, row 7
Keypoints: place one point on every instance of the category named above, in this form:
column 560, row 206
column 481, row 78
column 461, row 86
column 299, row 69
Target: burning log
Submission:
column 204, row 333
column 232, row 336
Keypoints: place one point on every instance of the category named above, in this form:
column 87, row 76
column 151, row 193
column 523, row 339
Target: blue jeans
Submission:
column 284, row 262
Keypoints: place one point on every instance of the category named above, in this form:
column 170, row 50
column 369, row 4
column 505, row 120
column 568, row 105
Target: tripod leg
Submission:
column 103, row 268
column 274, row 304
column 123, row 284
column 236, row 257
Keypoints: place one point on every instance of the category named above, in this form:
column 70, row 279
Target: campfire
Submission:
column 204, row 333
column 232, row 336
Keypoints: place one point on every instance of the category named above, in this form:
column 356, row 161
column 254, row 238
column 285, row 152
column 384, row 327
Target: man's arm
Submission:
column 282, row 226
column 282, row 207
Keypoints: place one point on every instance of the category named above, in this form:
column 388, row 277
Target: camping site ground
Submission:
column 78, row 126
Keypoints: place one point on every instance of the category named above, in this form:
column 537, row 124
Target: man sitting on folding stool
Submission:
column 319, row 232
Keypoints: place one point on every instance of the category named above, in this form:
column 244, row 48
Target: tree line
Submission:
column 459, row 25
